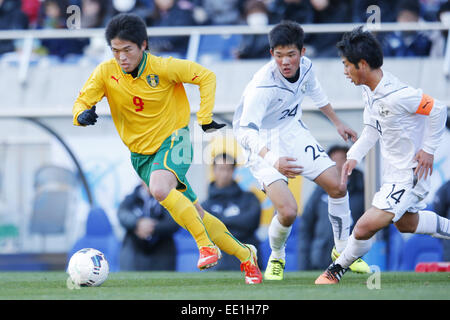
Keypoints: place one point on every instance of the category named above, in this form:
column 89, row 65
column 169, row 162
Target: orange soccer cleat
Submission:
column 332, row 275
column 209, row 257
column 250, row 266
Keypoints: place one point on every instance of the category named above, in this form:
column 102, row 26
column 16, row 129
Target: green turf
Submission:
column 224, row 286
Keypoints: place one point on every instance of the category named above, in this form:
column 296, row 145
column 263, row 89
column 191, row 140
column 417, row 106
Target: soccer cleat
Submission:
column 359, row 266
column 275, row 269
column 209, row 256
column 250, row 266
column 332, row 275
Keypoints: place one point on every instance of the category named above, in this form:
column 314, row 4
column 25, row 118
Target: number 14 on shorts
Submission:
column 396, row 195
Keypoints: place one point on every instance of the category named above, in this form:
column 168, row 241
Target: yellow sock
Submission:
column 184, row 213
column 223, row 238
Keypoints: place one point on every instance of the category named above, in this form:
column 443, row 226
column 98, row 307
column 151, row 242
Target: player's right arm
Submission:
column 315, row 91
column 285, row 165
column 255, row 104
column 369, row 136
column 91, row 93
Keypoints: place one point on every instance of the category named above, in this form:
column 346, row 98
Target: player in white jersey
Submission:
column 279, row 146
column 409, row 125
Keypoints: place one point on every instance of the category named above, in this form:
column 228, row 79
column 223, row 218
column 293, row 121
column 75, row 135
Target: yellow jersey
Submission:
column 149, row 108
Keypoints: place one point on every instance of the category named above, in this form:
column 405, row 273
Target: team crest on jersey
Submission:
column 303, row 88
column 153, row 80
column 383, row 110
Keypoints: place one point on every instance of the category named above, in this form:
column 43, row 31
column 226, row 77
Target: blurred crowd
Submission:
column 53, row 14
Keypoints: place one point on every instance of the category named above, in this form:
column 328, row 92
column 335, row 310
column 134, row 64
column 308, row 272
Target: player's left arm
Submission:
column 344, row 131
column 185, row 71
column 425, row 105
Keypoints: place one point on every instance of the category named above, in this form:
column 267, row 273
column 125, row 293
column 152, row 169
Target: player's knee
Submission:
column 337, row 191
column 336, row 194
column 287, row 213
column 362, row 232
column 159, row 192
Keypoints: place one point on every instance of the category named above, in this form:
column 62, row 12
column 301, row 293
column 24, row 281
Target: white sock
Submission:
column 434, row 225
column 278, row 235
column 355, row 249
column 340, row 219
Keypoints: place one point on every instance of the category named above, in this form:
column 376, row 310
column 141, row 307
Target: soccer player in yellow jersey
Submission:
column 151, row 113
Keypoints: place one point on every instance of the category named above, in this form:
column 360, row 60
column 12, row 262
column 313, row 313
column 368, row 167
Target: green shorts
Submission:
column 174, row 155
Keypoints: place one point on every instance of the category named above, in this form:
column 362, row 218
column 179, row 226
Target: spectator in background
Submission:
column 438, row 37
column 11, row 18
column 169, row 13
column 31, row 9
column 316, row 236
column 141, row 8
column 239, row 210
column 295, row 10
column 148, row 243
column 221, row 12
column 430, row 8
column 94, row 13
column 407, row 43
column 255, row 46
column 53, row 16
column 328, row 11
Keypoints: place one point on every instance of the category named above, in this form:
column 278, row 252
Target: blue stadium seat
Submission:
column 187, row 252
column 420, row 248
column 99, row 235
column 53, row 188
column 395, row 249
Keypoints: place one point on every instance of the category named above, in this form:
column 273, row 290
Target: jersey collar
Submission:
column 141, row 66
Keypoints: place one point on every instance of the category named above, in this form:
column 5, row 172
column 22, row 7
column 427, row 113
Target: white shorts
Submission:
column 309, row 154
column 399, row 198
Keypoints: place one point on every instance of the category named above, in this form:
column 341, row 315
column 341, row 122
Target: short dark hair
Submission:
column 337, row 148
column 287, row 33
column 357, row 45
column 127, row 26
column 409, row 5
column 228, row 159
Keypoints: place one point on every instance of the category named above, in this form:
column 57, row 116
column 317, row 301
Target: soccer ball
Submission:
column 88, row 267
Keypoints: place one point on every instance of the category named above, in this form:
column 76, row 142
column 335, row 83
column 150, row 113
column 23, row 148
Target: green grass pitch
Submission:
column 224, row 286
